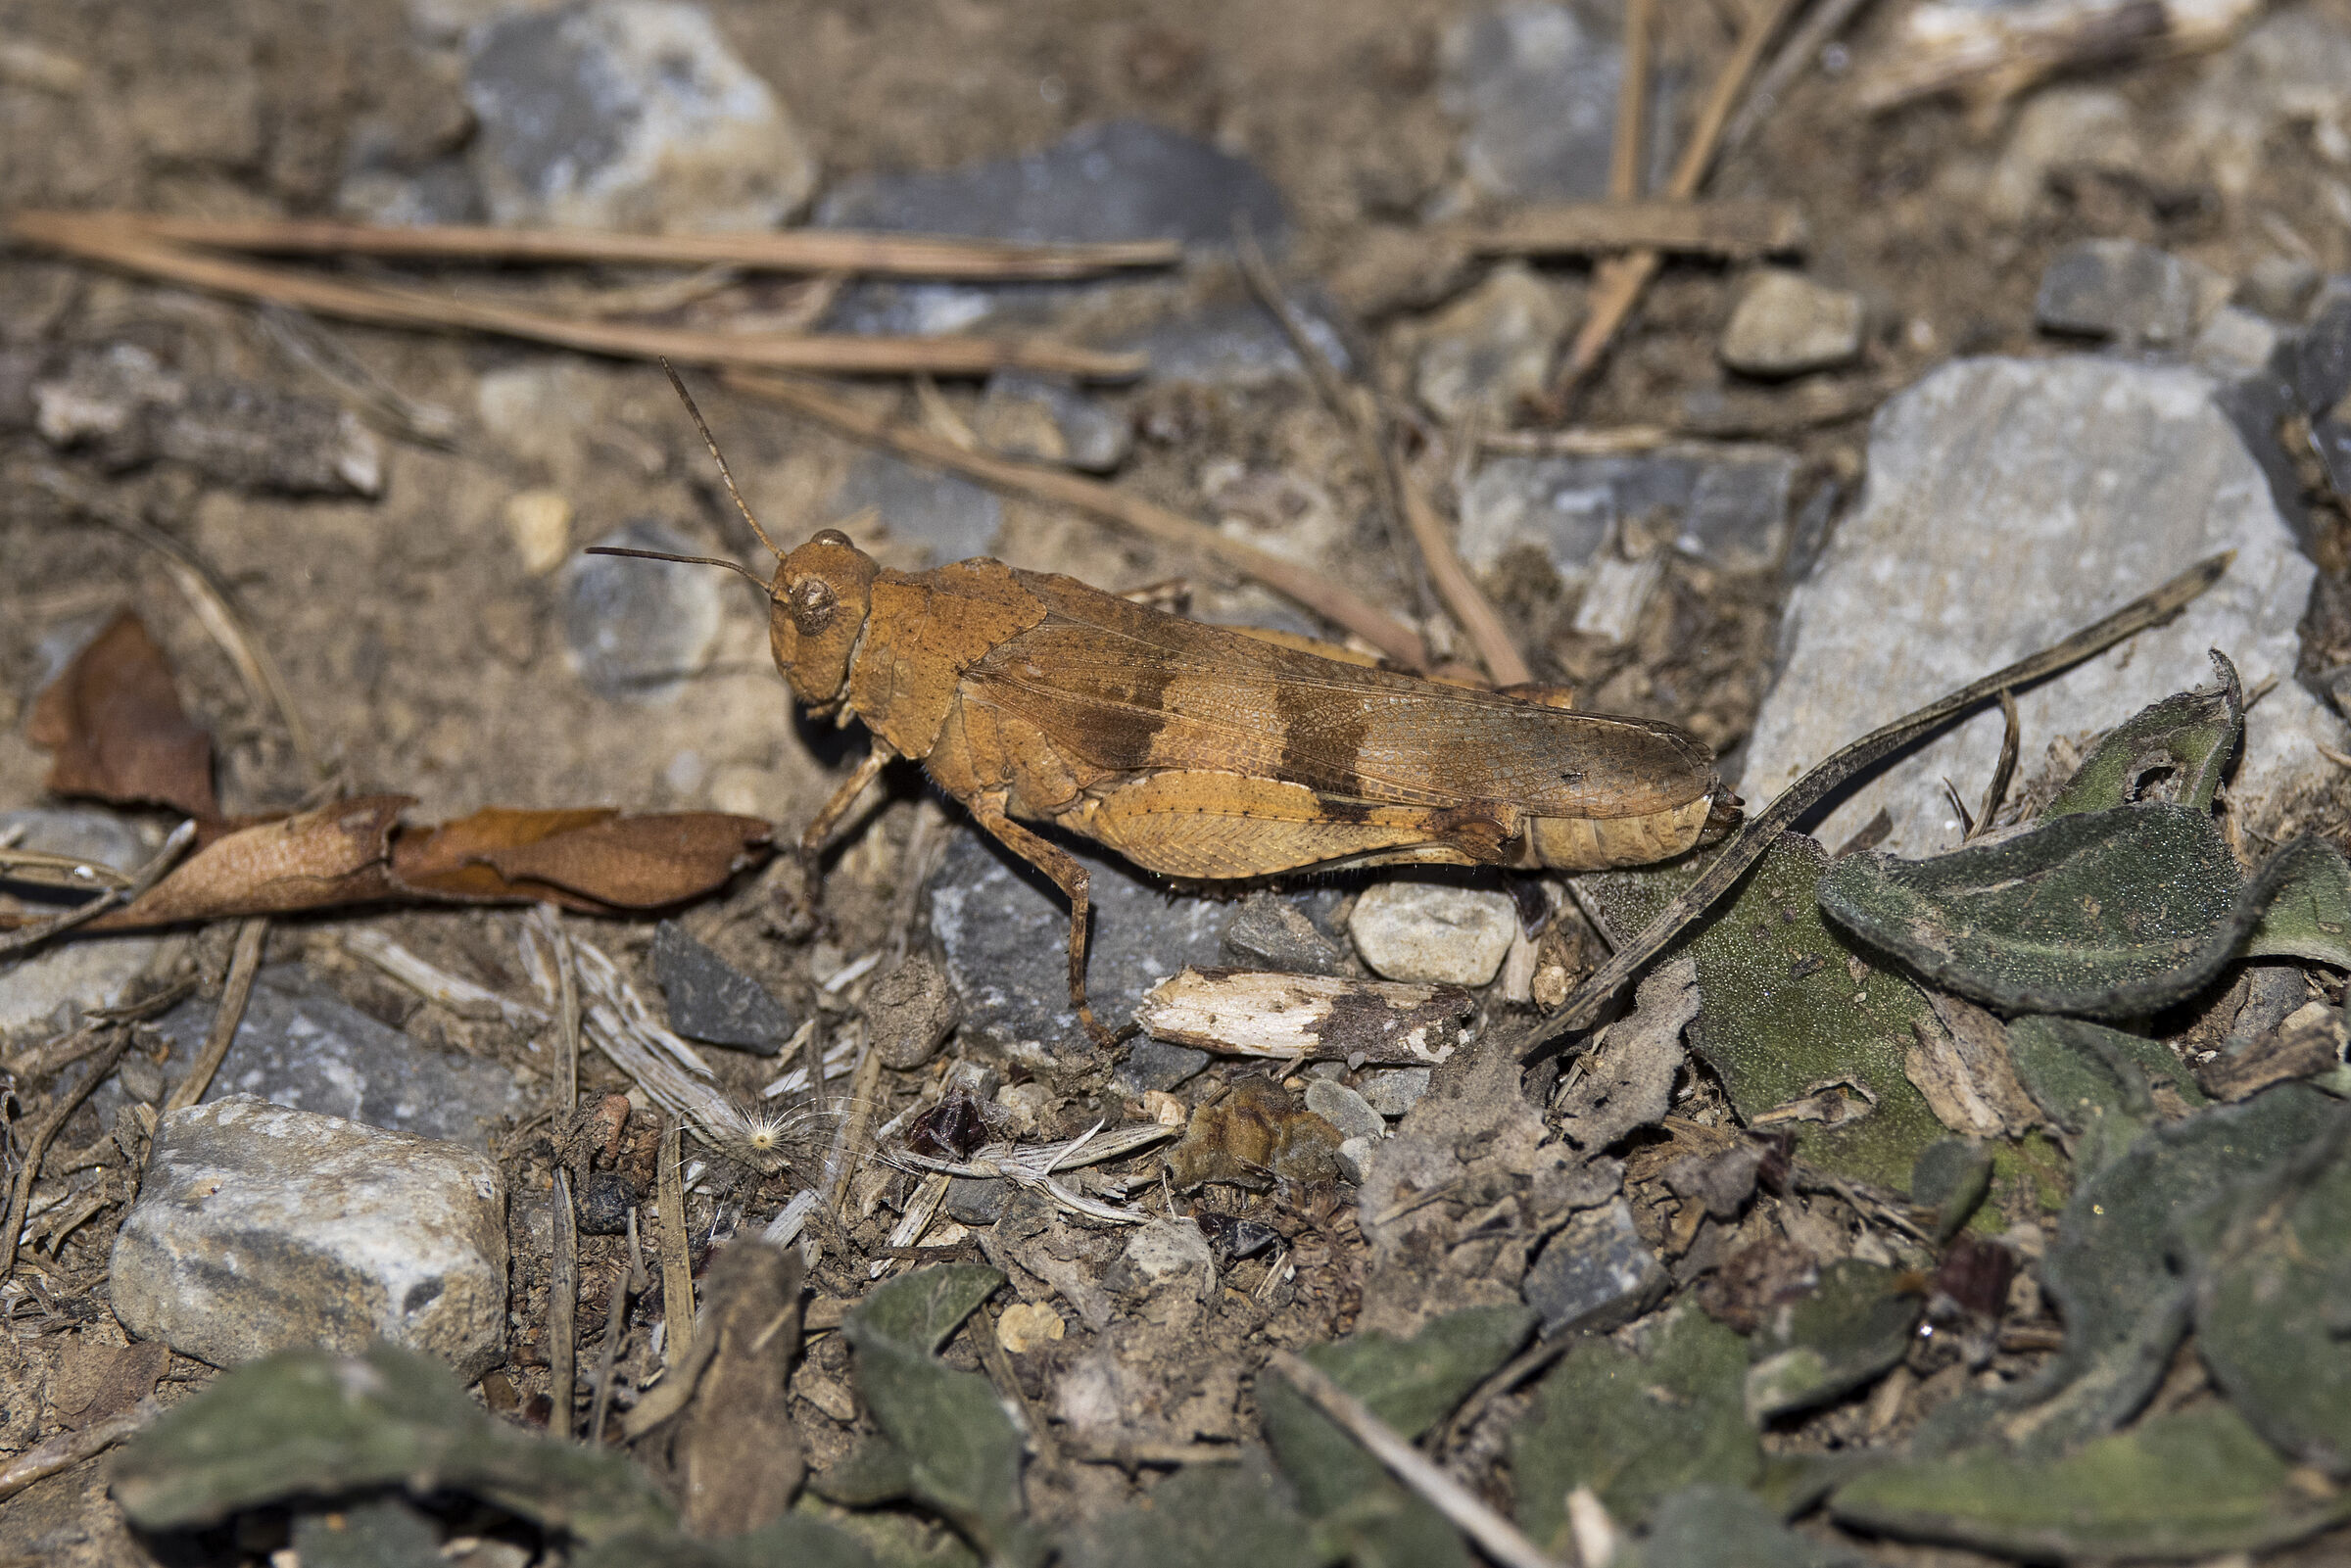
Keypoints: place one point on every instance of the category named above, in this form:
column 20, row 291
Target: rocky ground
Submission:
column 1898, row 1216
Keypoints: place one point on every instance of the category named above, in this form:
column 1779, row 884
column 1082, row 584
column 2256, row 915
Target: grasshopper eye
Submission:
column 812, row 604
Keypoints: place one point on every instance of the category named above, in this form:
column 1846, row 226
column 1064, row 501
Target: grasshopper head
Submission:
column 822, row 591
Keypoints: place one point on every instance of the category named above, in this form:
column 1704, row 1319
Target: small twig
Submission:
column 213, row 600
column 1525, row 1365
column 1500, row 1539
column 562, row 1308
column 1996, row 789
column 1819, row 31
column 1735, row 230
column 799, row 250
column 1761, row 832
column 677, row 1264
column 567, row 1003
column 1617, row 288
column 856, row 1129
column 308, row 346
column 73, row 874
column 1308, row 585
column 1575, row 443
column 147, row 876
column 629, row 1282
column 244, row 963
column 67, row 1100
column 66, row 1449
column 1496, row 649
column 1632, row 104
column 113, row 243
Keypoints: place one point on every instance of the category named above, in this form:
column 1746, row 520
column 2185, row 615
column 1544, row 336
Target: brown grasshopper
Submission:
column 1201, row 752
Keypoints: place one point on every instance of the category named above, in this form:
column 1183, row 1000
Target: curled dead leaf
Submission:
column 116, row 730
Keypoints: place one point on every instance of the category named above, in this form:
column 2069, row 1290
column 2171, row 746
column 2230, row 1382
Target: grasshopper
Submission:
column 1200, row 752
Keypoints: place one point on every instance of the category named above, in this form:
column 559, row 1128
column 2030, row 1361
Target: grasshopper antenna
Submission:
column 720, row 458
column 735, row 567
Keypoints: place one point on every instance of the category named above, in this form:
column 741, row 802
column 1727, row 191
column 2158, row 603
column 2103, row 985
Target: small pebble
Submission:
column 1345, row 1109
column 538, row 521
column 1392, row 1091
column 2132, row 293
column 1596, row 1273
column 1786, row 324
column 1430, row 934
column 604, row 1200
column 1163, row 1252
column 1027, row 1326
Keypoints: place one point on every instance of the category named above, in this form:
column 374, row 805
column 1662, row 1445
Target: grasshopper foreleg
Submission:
column 829, row 817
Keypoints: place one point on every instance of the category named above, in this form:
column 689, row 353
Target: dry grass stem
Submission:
column 1496, row 1536
column 113, row 244
column 1733, row 230
column 631, row 1281
column 677, row 1264
column 802, row 250
column 563, row 1307
column 1803, row 46
column 1574, row 443
column 437, row 986
column 244, row 963
column 1632, row 103
column 1303, row 585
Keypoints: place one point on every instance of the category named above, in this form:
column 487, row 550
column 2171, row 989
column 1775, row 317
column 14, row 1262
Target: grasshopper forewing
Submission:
column 1201, row 752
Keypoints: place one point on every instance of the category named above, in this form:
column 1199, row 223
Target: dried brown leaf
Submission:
column 95, row 1381
column 337, row 854
column 115, row 729
column 594, row 860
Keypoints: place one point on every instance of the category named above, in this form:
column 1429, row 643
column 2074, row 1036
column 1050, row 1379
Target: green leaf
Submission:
column 795, row 1539
column 2125, row 1307
column 2188, row 1485
column 1951, row 1177
column 1853, row 1327
column 1720, row 1527
column 1208, row 1516
column 1634, row 1428
column 308, row 1422
column 875, row 1471
column 2094, row 1082
column 924, row 1308
column 2189, row 737
column 2272, row 1272
column 962, row 1452
column 1411, row 1385
column 2107, row 913
column 1790, row 1005
column 2309, row 915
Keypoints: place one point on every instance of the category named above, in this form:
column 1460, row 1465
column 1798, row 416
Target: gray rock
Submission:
column 1596, row 1273
column 1392, row 1091
column 2292, row 68
column 1728, row 506
column 302, row 1047
column 629, row 115
column 909, row 1012
column 1784, row 324
column 1344, row 1109
column 711, row 1000
column 1492, row 347
column 1537, row 85
column 89, row 972
column 2278, row 286
column 1432, row 933
column 954, row 517
column 126, row 408
column 1153, row 1064
column 2322, row 384
column 1273, row 932
column 1124, row 179
column 1002, row 926
column 2063, row 127
column 639, row 630
column 1239, row 343
column 1162, row 1253
column 2010, row 502
column 975, row 1200
column 443, row 191
column 2129, row 292
column 259, row 1227
column 1044, row 418
column 2235, row 343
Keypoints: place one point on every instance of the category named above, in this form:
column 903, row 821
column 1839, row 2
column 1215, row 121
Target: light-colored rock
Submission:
column 1024, row 415
column 629, row 115
column 538, row 521
column 2009, row 504
column 2293, row 68
column 258, row 1228
column 2234, row 343
column 1165, row 1253
column 1429, row 933
column 1537, row 86
column 1392, row 1091
column 1344, row 1109
column 1784, row 324
column 2063, row 127
column 1027, row 1326
column 2278, row 287
column 89, row 972
column 1492, row 347
column 2132, row 293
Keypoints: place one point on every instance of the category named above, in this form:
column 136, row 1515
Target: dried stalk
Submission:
column 437, row 986
column 1496, row 1536
column 1804, row 46
column 147, row 876
column 244, row 963
column 45, row 1133
column 1618, row 286
column 1632, row 103
column 1733, row 230
column 563, row 1307
column 630, row 1282
column 1307, row 587
column 677, row 1265
column 804, row 250
column 113, row 244
column 66, row 1449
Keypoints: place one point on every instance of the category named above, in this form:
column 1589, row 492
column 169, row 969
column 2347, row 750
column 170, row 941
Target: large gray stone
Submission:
column 83, row 972
column 258, row 1228
column 302, row 1047
column 2010, row 502
column 1537, row 85
column 631, row 115
column 1728, row 506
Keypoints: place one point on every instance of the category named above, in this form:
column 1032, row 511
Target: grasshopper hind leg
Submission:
column 1075, row 885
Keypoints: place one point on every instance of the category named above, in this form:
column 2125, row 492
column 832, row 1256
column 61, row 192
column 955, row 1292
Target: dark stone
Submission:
column 1153, row 1064
column 641, row 629
column 1596, row 1273
column 977, row 1201
column 1235, row 1238
column 711, row 1000
column 1271, row 930
column 1241, row 344
column 2323, row 357
column 1538, row 85
column 1003, row 928
column 1728, row 509
column 604, row 1200
column 956, row 518
column 301, row 1046
column 2120, row 289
